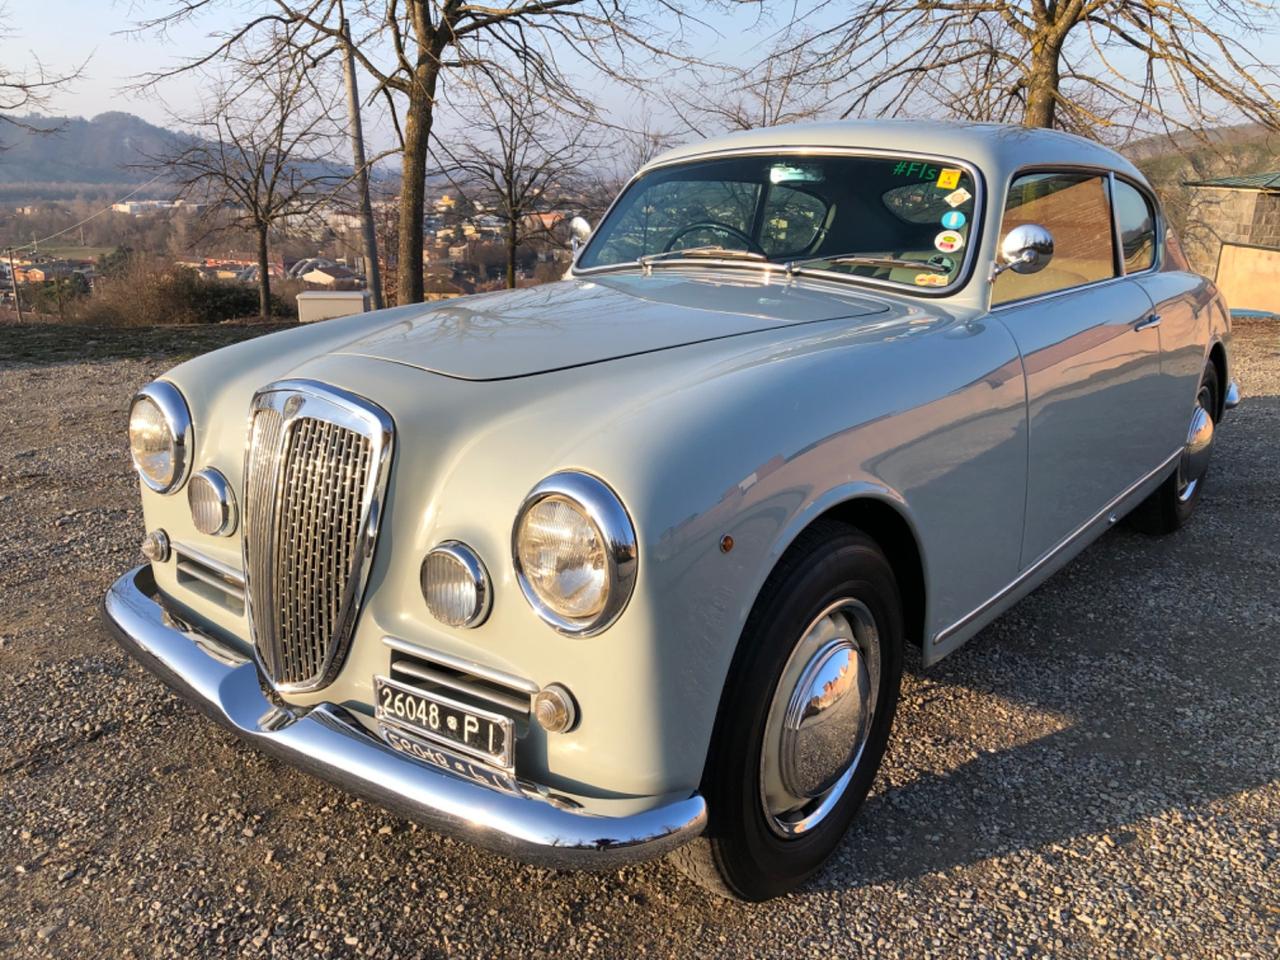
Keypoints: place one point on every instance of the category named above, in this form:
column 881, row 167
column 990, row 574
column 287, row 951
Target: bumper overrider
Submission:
column 330, row 743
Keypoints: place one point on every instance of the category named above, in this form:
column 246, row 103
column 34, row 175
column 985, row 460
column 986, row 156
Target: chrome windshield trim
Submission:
column 962, row 278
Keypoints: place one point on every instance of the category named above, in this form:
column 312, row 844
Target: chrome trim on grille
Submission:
column 463, row 665
column 316, row 472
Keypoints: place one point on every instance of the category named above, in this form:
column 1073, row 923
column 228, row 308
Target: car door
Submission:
column 1180, row 297
column 1091, row 358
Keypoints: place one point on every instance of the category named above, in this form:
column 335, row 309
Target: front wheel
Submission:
column 804, row 719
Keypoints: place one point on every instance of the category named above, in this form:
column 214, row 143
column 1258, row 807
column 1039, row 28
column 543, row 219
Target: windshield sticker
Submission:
column 957, row 197
column 915, row 169
column 948, row 241
column 790, row 173
column 931, row 280
column 949, row 178
column 954, row 219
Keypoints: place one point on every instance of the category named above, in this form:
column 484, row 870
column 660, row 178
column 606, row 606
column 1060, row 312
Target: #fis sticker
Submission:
column 957, row 197
column 931, row 280
column 948, row 241
column 954, row 219
column 949, row 178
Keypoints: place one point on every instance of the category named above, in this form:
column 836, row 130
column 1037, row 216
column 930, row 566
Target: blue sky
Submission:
column 69, row 32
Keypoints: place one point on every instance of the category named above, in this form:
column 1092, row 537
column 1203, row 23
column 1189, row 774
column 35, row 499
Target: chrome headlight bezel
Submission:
column 223, row 496
column 473, row 569
column 603, row 509
column 177, row 419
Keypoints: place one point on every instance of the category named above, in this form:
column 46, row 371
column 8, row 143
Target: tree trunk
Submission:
column 264, row 276
column 372, row 269
column 512, row 244
column 413, row 182
column 1042, row 84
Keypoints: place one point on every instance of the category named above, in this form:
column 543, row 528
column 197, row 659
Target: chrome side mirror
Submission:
column 579, row 231
column 1027, row 248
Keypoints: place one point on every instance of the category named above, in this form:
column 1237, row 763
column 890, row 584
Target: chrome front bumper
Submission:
column 330, row 743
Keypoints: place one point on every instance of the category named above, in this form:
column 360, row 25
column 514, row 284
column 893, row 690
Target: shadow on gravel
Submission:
column 1148, row 666
column 53, row 343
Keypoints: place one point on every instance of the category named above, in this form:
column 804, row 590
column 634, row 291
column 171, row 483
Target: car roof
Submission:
column 997, row 149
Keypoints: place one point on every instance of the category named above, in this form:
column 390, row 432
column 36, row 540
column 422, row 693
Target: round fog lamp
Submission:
column 456, row 585
column 213, row 505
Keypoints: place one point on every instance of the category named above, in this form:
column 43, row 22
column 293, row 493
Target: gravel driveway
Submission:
column 1097, row 774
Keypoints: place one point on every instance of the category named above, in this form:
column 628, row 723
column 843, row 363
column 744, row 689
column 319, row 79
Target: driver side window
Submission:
column 1076, row 210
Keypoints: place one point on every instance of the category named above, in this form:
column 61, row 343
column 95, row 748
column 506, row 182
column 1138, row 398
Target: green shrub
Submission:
column 149, row 293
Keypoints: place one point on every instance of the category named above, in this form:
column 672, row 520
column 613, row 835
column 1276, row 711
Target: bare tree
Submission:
column 406, row 45
column 515, row 160
column 29, row 88
column 260, row 153
column 775, row 91
column 1104, row 68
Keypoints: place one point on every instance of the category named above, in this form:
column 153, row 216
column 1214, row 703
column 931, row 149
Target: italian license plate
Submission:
column 429, row 751
column 489, row 737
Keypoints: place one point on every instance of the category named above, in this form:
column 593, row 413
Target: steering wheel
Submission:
column 714, row 225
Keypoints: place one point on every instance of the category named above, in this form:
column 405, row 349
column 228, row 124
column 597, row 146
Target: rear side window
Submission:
column 1074, row 208
column 1137, row 223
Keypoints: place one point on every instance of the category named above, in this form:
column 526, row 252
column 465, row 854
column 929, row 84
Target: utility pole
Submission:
column 13, row 278
column 372, row 271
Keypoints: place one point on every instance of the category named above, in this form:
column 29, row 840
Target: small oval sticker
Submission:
column 948, row 241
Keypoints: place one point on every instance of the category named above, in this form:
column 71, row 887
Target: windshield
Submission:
column 870, row 218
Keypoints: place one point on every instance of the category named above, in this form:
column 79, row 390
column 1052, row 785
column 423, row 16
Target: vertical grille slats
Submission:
column 309, row 485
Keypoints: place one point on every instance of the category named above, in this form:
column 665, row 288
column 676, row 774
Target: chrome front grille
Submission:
column 315, row 475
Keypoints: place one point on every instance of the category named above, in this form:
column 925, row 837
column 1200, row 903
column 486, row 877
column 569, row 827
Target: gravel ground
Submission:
column 1097, row 774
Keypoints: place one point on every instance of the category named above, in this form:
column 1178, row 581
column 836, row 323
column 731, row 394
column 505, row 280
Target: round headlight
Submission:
column 575, row 553
column 160, row 437
column 213, row 505
column 456, row 585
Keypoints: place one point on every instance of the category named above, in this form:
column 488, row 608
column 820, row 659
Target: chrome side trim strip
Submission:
column 1052, row 553
column 329, row 742
column 463, row 665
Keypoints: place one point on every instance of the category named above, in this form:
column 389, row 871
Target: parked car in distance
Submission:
column 626, row 565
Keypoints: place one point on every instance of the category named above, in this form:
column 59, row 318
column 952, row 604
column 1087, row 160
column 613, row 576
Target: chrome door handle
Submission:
column 1147, row 323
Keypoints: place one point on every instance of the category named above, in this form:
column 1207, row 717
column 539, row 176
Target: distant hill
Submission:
column 81, row 152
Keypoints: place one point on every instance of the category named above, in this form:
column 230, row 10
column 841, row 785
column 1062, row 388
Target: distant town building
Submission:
column 332, row 278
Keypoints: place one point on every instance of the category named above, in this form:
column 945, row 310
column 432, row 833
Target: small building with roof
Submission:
column 1240, row 241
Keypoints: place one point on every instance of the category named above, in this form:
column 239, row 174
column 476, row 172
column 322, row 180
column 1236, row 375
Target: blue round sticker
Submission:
column 953, row 219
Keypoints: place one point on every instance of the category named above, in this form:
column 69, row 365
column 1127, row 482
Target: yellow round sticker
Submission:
column 931, row 279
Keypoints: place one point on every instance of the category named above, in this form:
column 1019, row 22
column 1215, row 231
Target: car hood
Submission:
column 577, row 322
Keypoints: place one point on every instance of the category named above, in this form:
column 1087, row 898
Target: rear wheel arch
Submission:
column 1218, row 357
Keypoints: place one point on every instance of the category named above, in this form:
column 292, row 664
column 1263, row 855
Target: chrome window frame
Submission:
column 1109, row 175
column 972, row 243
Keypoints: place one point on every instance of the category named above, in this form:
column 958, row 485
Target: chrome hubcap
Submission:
column 820, row 718
column 1199, row 446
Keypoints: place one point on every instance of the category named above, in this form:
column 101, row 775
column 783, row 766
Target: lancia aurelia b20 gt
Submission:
column 625, row 565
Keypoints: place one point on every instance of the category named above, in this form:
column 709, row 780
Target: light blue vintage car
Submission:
column 625, row 565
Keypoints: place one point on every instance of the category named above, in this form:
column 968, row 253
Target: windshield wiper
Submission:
column 862, row 260
column 708, row 252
